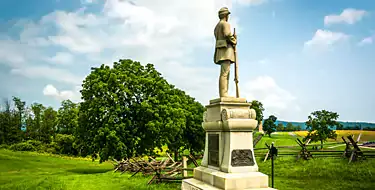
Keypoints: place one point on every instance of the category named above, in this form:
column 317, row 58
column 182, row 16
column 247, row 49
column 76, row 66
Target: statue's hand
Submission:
column 234, row 41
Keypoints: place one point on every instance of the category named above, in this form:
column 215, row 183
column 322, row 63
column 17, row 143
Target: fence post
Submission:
column 184, row 165
column 273, row 152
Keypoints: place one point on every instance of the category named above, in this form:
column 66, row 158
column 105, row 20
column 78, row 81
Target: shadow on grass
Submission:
column 89, row 170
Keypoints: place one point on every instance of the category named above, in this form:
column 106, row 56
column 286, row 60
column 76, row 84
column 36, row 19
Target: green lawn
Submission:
column 321, row 173
column 27, row 170
column 280, row 139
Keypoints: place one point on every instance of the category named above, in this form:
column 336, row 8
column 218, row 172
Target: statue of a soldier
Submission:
column 224, row 50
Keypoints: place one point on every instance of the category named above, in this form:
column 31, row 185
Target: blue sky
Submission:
column 295, row 56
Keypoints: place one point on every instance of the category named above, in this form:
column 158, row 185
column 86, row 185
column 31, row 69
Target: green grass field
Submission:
column 28, row 170
column 280, row 139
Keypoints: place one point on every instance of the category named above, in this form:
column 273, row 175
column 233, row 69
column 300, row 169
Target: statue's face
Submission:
column 225, row 17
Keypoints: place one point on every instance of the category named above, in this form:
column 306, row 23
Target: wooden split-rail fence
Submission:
column 163, row 170
column 308, row 151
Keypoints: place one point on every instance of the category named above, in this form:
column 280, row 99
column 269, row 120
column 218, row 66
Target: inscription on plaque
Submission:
column 194, row 188
column 213, row 150
column 242, row 157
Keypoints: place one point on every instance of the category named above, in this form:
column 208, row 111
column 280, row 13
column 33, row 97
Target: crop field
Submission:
column 366, row 135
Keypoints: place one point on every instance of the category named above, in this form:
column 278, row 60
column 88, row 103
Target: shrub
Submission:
column 35, row 143
column 22, row 147
column 65, row 144
column 4, row 146
column 48, row 148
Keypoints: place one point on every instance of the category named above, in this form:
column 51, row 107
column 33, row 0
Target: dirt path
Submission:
column 337, row 146
column 292, row 134
column 367, row 147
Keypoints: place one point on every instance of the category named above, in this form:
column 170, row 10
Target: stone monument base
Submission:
column 228, row 162
column 211, row 179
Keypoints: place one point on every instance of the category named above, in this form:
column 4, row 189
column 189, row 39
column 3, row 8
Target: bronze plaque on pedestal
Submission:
column 242, row 157
column 213, row 150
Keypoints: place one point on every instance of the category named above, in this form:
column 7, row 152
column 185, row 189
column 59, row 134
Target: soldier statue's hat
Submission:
column 224, row 10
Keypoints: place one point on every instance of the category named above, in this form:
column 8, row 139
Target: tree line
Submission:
column 289, row 127
column 127, row 110
column 359, row 127
column 37, row 127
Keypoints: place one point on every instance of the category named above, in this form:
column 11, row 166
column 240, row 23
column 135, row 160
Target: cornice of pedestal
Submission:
column 229, row 101
column 226, row 112
column 233, row 125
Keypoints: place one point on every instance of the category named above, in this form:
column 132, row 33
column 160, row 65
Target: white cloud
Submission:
column 276, row 100
column 349, row 16
column 13, row 53
column 50, row 73
column 50, row 90
column 61, row 58
column 326, row 38
column 367, row 40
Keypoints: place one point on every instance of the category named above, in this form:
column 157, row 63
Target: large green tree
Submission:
column 67, row 117
column 5, row 121
column 192, row 136
column 33, row 130
column 10, row 130
column 194, row 133
column 128, row 110
column 48, row 125
column 20, row 112
column 319, row 123
column 269, row 125
column 2, row 125
column 258, row 107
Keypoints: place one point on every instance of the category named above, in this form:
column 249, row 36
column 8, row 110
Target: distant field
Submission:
column 366, row 135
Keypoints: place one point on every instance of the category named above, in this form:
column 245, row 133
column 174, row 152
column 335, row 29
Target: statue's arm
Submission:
column 228, row 34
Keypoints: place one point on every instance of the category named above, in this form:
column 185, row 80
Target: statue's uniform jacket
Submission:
column 224, row 50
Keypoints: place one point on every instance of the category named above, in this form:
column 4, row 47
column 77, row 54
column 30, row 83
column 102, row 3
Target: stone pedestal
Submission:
column 228, row 162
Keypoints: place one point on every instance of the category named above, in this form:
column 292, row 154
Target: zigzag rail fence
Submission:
column 352, row 151
column 161, row 171
column 171, row 170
